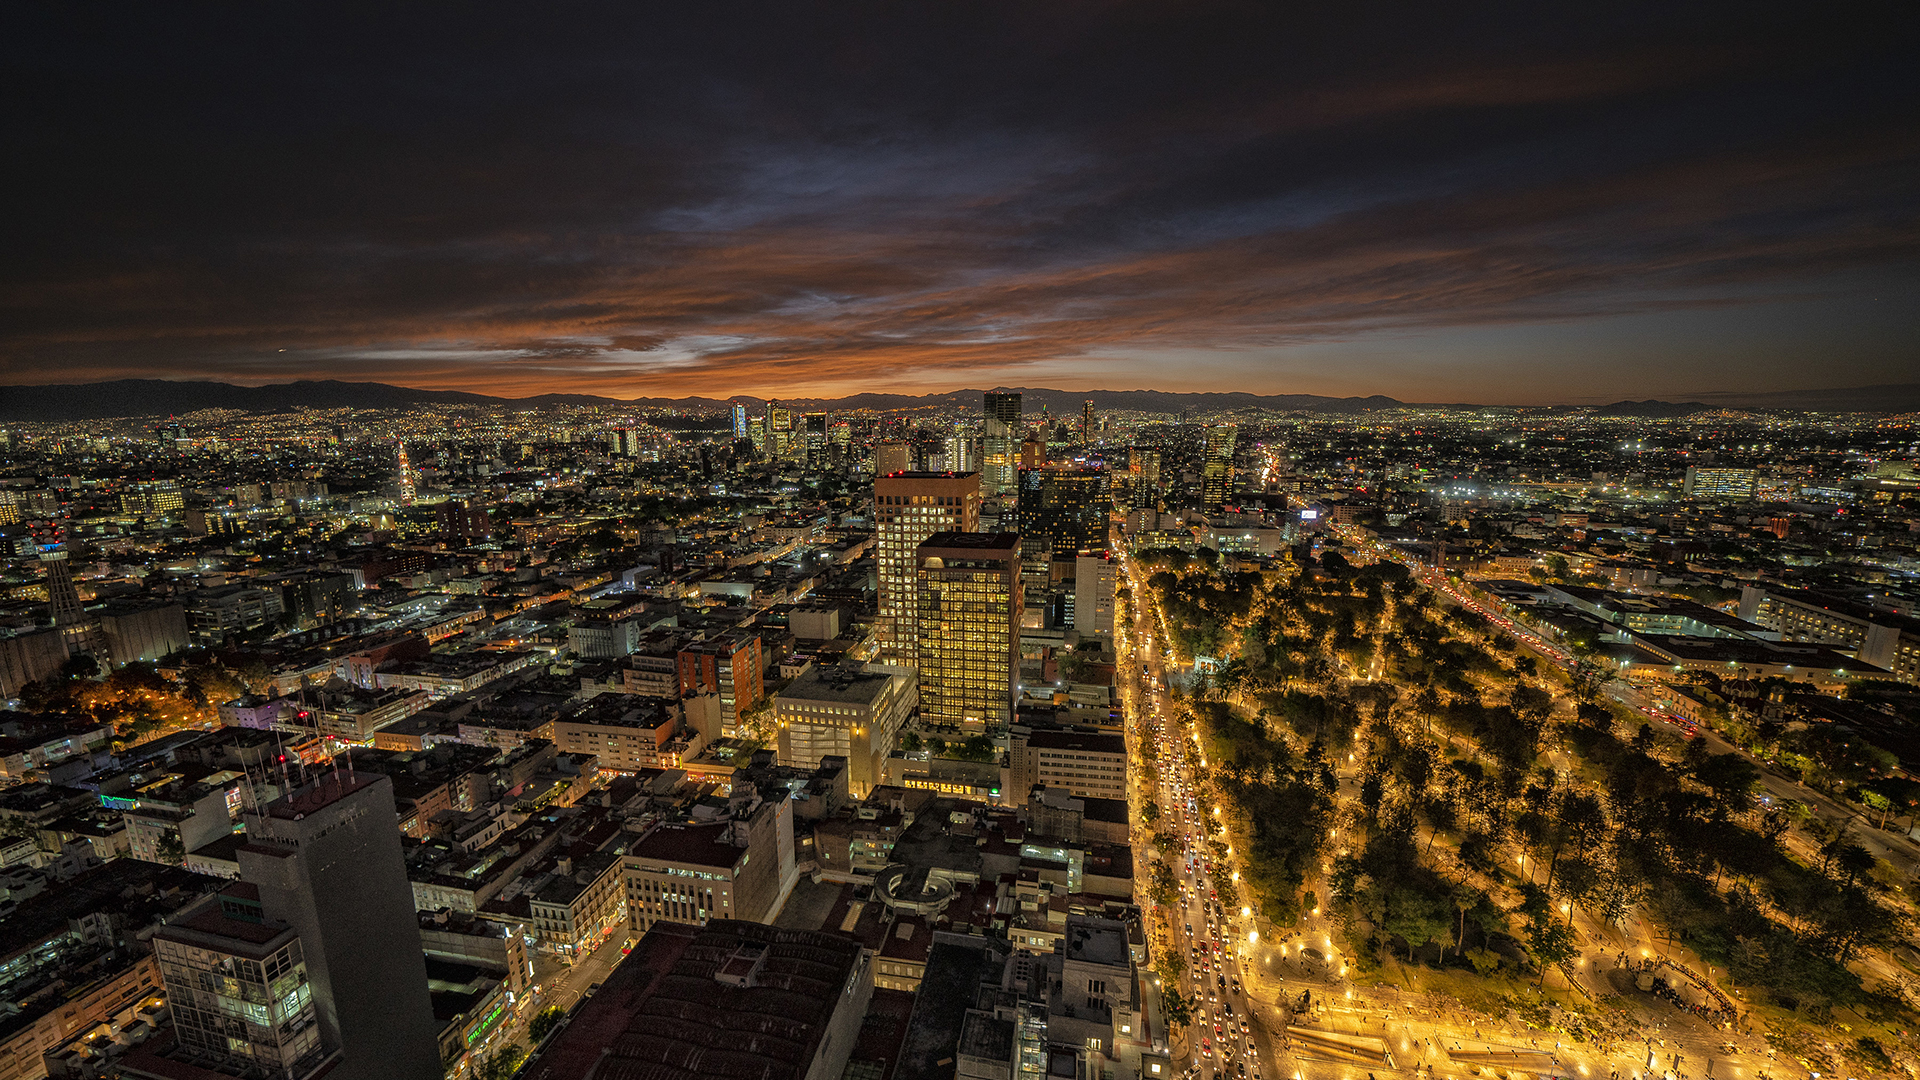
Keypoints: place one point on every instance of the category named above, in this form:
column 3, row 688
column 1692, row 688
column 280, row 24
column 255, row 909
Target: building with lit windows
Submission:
column 152, row 498
column 238, row 989
column 740, row 420
column 962, row 455
column 581, row 906
column 844, row 712
column 731, row 666
column 968, row 624
column 1062, row 512
column 1881, row 638
column 1143, row 479
column 1217, row 471
column 816, row 439
column 1000, row 443
column 1734, row 485
column 780, row 440
column 908, row 507
column 1086, row 765
column 892, row 457
column 690, row 873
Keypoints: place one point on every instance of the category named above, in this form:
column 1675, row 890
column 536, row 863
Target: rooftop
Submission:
column 663, row 1015
column 842, row 685
column 330, row 788
column 695, row 845
column 976, row 541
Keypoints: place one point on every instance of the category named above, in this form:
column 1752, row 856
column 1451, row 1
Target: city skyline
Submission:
column 990, row 540
column 1476, row 204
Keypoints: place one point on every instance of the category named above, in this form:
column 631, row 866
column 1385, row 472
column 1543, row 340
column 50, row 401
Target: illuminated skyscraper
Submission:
column 1000, row 444
column 1063, row 512
column 1217, row 477
column 968, row 624
column 816, row 440
column 404, row 475
column 961, row 454
column 908, row 507
column 739, row 420
column 1143, row 478
column 1087, row 425
column 780, row 441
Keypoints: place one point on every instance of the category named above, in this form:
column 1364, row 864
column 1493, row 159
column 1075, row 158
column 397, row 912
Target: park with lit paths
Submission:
column 1286, row 1001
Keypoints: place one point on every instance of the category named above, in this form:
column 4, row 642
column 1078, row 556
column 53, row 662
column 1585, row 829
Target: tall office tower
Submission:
column 816, row 440
column 1062, row 512
column 780, row 445
column 762, row 439
column 740, row 420
column 908, row 507
column 238, row 988
column 626, row 442
column 842, row 437
column 968, row 623
column 1086, row 425
column 326, row 861
column 961, row 454
column 403, row 475
column 892, row 457
column 1000, row 444
column 1217, row 477
column 1143, row 478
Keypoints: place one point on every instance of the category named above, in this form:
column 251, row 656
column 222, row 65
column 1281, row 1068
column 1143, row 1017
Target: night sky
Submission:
column 1443, row 201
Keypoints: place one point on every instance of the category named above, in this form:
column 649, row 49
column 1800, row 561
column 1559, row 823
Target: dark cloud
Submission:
column 810, row 196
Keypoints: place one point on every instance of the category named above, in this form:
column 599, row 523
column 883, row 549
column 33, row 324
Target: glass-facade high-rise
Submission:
column 1000, row 444
column 1062, row 512
column 1217, row 475
column 908, row 507
column 968, row 623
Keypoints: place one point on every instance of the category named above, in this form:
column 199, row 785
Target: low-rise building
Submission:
column 1085, row 765
column 582, row 906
